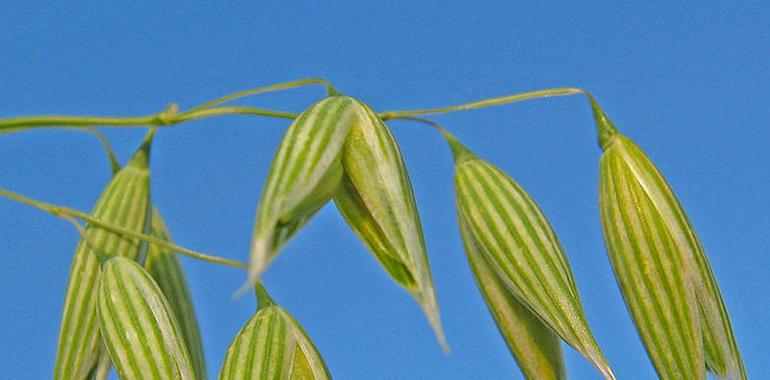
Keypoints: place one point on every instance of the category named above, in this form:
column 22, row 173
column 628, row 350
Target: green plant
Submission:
column 340, row 150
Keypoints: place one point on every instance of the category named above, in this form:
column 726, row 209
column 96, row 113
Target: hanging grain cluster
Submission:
column 340, row 149
column 127, row 303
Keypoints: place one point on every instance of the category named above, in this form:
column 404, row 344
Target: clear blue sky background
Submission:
column 689, row 84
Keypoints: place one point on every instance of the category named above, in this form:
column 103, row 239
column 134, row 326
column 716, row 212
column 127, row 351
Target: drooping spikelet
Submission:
column 377, row 201
column 535, row 347
column 272, row 346
column 304, row 175
column 139, row 326
column 660, row 265
column 339, row 148
column 165, row 268
column 521, row 268
column 124, row 203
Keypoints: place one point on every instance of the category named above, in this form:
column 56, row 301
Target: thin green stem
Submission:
column 67, row 213
column 485, row 103
column 459, row 151
column 156, row 120
column 228, row 110
column 276, row 87
column 420, row 120
column 606, row 130
column 114, row 163
column 168, row 116
column 14, row 123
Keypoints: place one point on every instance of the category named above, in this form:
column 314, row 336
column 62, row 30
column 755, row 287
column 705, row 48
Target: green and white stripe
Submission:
column 536, row 348
column 272, row 346
column 377, row 201
column 662, row 269
column 138, row 325
column 304, row 175
column 514, row 238
column 125, row 203
column 164, row 266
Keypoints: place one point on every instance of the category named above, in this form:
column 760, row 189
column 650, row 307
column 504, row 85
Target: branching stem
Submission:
column 167, row 117
column 68, row 214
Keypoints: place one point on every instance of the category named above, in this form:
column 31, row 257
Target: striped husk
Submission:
column 138, row 325
column 164, row 266
column 535, row 347
column 272, row 346
column 377, row 201
column 304, row 175
column 662, row 269
column 513, row 237
column 125, row 203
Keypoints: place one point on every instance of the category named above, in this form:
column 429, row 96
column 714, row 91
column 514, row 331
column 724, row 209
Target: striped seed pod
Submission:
column 660, row 265
column 138, row 325
column 304, row 175
column 272, row 346
column 125, row 203
column 377, row 201
column 509, row 237
column 164, row 266
column 536, row 348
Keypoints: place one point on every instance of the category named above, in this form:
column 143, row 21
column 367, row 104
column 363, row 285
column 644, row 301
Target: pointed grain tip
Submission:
column 459, row 150
column 263, row 297
column 443, row 343
column 141, row 157
column 608, row 374
column 605, row 129
column 434, row 319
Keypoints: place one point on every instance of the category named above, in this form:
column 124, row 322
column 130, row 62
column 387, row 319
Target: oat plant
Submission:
column 127, row 306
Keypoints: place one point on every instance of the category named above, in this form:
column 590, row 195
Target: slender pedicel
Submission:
column 484, row 103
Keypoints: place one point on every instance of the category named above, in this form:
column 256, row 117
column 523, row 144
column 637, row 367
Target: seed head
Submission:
column 272, row 345
column 660, row 265
column 520, row 267
column 138, row 325
column 377, row 201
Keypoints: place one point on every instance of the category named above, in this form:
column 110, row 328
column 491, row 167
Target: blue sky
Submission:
column 688, row 83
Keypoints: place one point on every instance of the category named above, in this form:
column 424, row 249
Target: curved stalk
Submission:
column 168, row 116
column 486, row 102
column 276, row 87
column 68, row 213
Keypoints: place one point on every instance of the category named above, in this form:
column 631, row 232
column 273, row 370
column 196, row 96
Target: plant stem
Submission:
column 485, row 103
column 67, row 213
column 605, row 129
column 459, row 151
column 281, row 86
column 160, row 119
column 114, row 163
column 169, row 116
